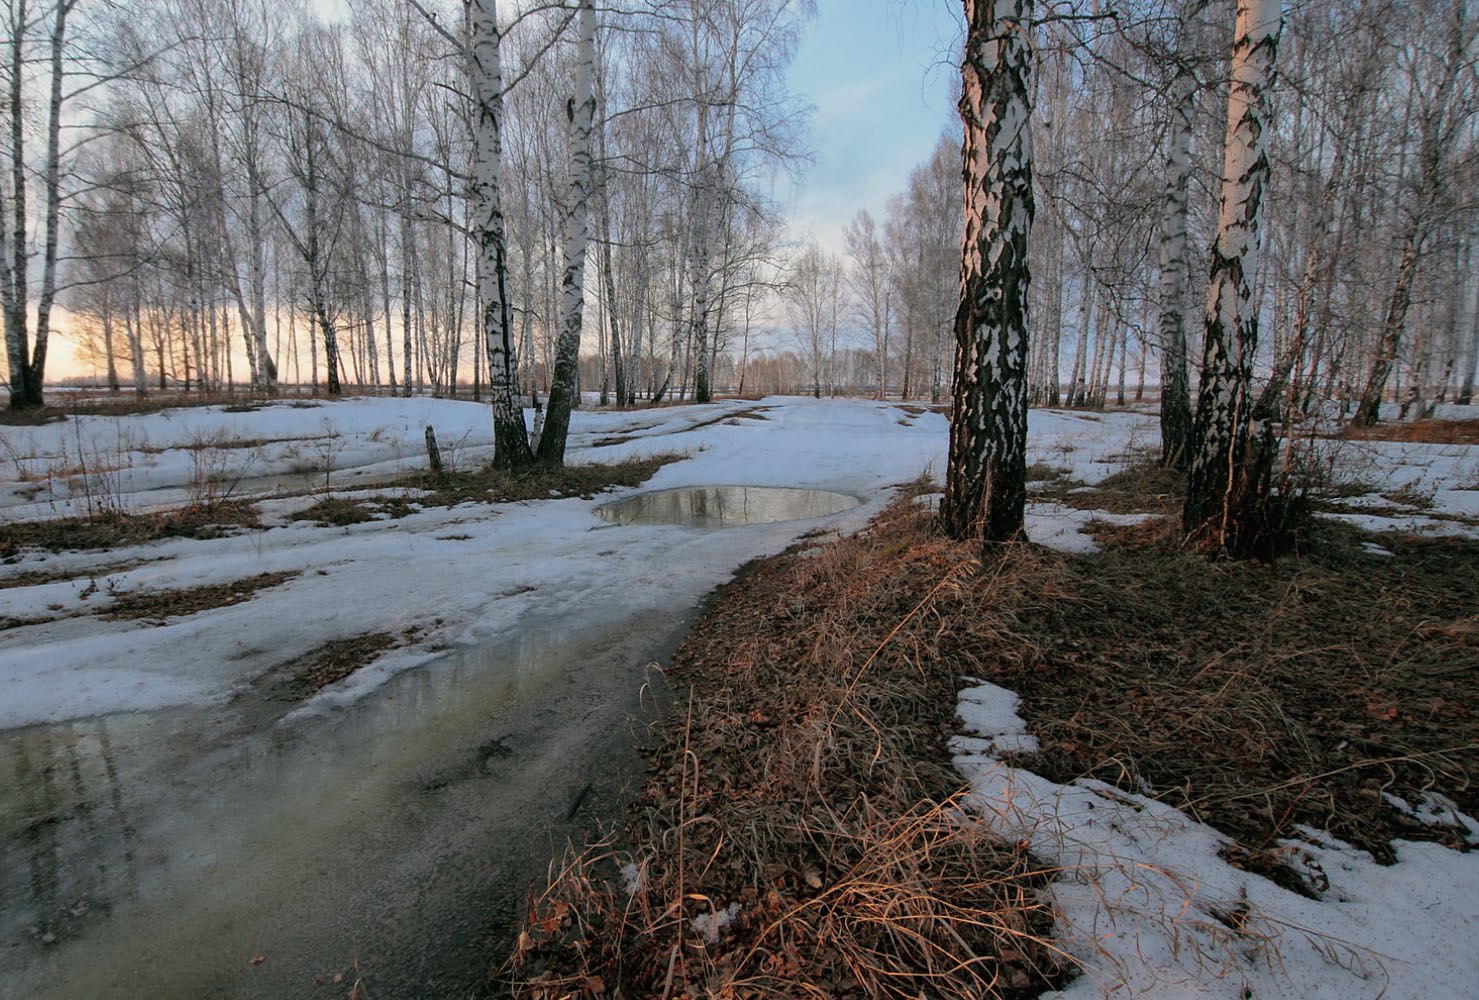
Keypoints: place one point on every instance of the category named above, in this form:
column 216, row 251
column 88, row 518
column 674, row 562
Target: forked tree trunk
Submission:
column 485, row 76
column 1222, row 480
column 985, row 489
column 582, row 114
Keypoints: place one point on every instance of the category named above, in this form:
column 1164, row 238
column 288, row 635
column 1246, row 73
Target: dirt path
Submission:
column 188, row 856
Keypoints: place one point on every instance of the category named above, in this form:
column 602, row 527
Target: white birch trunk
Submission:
column 1218, row 487
column 485, row 220
column 985, row 488
column 1175, row 394
column 582, row 111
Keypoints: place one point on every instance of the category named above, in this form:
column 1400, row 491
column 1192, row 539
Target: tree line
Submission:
column 244, row 179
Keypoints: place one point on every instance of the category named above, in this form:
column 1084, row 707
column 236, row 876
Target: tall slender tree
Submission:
column 985, row 486
column 1175, row 395
column 581, row 112
column 485, row 77
column 1225, row 475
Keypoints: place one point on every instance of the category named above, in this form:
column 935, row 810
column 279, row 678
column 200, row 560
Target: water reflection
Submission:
column 222, row 818
column 725, row 506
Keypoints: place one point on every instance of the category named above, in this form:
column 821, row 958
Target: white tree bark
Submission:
column 485, row 219
column 582, row 110
column 985, row 486
column 1217, row 487
column 1175, row 394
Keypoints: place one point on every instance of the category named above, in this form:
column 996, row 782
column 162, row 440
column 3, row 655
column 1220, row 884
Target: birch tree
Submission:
column 985, row 486
column 1228, row 472
column 1175, row 394
column 25, row 352
column 1440, row 118
column 485, row 79
column 871, row 289
column 814, row 299
column 581, row 112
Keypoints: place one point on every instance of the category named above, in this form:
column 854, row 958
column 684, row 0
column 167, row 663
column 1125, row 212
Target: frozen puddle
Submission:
column 725, row 506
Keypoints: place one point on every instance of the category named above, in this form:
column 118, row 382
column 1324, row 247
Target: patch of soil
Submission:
column 798, row 825
column 226, row 444
column 323, row 666
column 1143, row 488
column 122, row 405
column 1417, row 432
column 752, row 413
column 39, row 578
column 191, row 600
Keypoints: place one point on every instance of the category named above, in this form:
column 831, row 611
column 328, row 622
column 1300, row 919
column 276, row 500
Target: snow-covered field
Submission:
column 1146, row 904
column 464, row 575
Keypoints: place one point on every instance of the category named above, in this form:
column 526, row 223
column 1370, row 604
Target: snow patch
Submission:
column 1147, row 908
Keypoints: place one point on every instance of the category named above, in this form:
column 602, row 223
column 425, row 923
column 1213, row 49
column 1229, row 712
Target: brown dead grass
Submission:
column 303, row 676
column 39, row 578
column 62, row 405
column 113, row 529
column 1144, row 487
column 804, row 789
column 1417, row 432
column 332, row 662
column 191, row 600
column 1259, row 697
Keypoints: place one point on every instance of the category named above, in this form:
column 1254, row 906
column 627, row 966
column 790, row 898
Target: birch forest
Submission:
column 215, row 194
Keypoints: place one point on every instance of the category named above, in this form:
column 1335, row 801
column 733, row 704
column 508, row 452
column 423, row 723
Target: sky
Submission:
column 878, row 74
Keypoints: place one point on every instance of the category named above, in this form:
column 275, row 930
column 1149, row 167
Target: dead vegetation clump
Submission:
column 1143, row 487
column 191, row 600
column 112, row 529
column 63, row 406
column 802, row 831
column 1333, row 690
column 304, row 676
column 1427, row 431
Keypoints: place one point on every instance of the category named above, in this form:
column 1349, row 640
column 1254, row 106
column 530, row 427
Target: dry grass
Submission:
column 112, row 529
column 306, row 675
column 61, row 406
column 1258, row 697
column 191, row 600
column 805, row 794
column 1143, row 487
column 1417, row 432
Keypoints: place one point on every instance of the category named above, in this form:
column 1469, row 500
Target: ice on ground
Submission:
column 1147, row 907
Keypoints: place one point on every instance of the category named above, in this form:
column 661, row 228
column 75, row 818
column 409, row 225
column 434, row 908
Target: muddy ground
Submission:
column 192, row 854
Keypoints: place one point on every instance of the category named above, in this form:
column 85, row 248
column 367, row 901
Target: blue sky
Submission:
column 879, row 75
